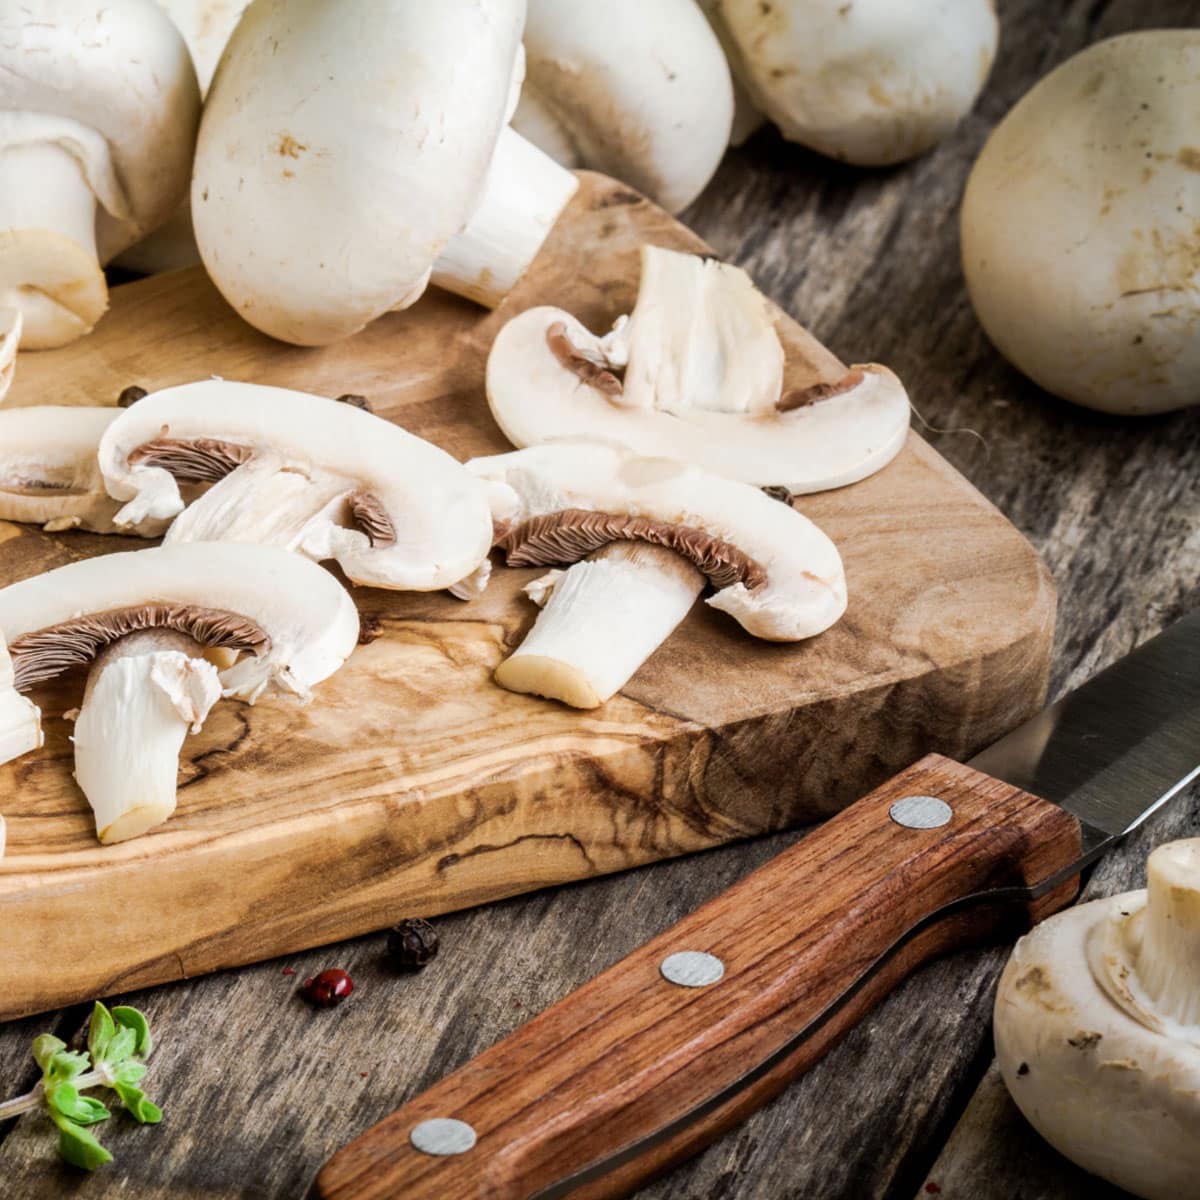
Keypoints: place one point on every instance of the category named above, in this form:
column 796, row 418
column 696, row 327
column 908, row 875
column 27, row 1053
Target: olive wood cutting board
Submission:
column 412, row 784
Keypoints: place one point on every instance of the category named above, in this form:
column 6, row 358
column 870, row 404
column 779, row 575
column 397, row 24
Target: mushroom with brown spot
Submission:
column 145, row 619
column 655, row 530
column 343, row 164
column 694, row 372
column 327, row 479
column 1097, row 1024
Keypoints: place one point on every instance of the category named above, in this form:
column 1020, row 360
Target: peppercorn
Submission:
column 131, row 395
column 356, row 401
column 328, row 989
column 412, row 944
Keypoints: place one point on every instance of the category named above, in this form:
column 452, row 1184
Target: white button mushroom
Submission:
column 775, row 572
column 637, row 88
column 156, row 611
column 206, row 26
column 872, row 82
column 323, row 478
column 1079, row 234
column 20, row 721
column 98, row 113
column 1097, row 1025
column 702, row 371
column 349, row 154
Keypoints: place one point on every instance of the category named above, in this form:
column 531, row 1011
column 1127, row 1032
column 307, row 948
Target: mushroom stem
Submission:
column 602, row 618
column 144, row 693
column 1168, row 964
column 525, row 192
column 264, row 501
column 49, row 269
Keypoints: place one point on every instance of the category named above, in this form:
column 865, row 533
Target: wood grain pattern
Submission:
column 630, row 1054
column 869, row 261
column 413, row 784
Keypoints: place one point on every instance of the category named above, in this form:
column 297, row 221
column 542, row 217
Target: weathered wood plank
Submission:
column 869, row 261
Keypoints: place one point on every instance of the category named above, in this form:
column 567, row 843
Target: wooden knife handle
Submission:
column 649, row 1071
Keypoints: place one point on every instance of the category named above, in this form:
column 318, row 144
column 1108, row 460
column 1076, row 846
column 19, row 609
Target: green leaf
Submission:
column 66, row 1100
column 121, row 1047
column 131, row 1018
column 79, row 1147
column 45, row 1047
column 130, row 1071
column 134, row 1099
column 64, row 1066
column 100, row 1031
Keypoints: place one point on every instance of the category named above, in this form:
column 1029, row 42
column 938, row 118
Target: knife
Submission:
column 656, row 1057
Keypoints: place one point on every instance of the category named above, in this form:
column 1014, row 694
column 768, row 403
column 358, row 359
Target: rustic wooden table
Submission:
column 259, row 1089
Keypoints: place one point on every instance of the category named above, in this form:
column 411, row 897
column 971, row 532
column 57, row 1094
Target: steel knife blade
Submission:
column 657, row 1056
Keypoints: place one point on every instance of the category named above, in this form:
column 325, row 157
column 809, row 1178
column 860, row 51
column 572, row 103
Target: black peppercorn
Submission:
column 411, row 944
column 131, row 395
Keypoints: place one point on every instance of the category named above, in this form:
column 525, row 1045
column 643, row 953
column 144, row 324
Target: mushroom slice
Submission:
column 49, row 474
column 702, row 377
column 328, row 480
column 147, row 617
column 638, row 89
column 98, row 114
column 775, row 572
column 1097, row 1024
column 331, row 185
column 20, row 721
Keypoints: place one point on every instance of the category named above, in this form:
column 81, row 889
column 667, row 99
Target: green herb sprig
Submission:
column 119, row 1042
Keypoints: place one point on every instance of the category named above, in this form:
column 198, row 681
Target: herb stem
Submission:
column 36, row 1098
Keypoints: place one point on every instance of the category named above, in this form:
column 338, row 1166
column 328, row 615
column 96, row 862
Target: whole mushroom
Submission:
column 637, row 88
column 871, row 82
column 1079, row 235
column 98, row 113
column 351, row 153
column 1097, row 1025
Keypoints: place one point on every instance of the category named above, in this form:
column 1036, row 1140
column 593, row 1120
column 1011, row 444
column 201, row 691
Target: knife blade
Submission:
column 660, row 1054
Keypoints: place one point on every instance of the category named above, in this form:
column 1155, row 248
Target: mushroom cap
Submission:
column 1119, row 1100
column 49, row 471
column 873, row 82
column 1079, row 234
column 438, row 512
column 778, row 575
column 296, row 622
column 206, row 26
column 637, row 88
column 342, row 147
column 119, row 73
column 536, row 399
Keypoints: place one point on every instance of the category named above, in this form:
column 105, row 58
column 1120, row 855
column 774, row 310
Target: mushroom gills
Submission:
column 601, row 619
column 144, row 693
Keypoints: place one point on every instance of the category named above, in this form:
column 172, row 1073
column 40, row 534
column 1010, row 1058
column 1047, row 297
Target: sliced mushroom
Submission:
column 775, row 572
column 702, row 375
column 638, row 89
column 343, row 163
column 20, row 721
column 329, row 480
column 149, row 615
column 49, row 474
column 98, row 114
column 1097, row 1024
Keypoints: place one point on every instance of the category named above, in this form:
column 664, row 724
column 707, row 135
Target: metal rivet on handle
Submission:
column 692, row 968
column 921, row 812
column 442, row 1136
